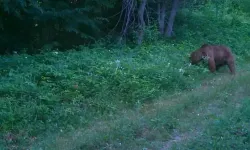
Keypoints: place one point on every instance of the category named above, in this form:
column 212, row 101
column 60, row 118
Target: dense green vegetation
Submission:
column 117, row 96
column 36, row 25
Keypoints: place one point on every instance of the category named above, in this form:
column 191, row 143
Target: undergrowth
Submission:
column 63, row 90
column 152, row 125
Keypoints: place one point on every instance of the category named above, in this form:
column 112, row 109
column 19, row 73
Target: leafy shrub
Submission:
column 56, row 88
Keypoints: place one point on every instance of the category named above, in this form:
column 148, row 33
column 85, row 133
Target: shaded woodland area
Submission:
column 30, row 25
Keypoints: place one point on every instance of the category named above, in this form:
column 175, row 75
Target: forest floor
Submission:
column 215, row 115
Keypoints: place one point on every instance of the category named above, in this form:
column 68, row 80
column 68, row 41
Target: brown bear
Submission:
column 216, row 55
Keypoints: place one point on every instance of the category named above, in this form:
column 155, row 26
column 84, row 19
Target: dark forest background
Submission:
column 31, row 25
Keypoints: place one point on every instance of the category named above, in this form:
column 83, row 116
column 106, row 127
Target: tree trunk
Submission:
column 161, row 16
column 172, row 18
column 141, row 21
column 128, row 8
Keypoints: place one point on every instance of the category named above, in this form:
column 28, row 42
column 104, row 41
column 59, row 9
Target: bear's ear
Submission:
column 204, row 45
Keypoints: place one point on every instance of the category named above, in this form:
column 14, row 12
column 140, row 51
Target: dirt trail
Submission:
column 210, row 109
column 197, row 127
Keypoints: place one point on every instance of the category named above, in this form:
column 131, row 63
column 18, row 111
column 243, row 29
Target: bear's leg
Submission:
column 211, row 64
column 231, row 66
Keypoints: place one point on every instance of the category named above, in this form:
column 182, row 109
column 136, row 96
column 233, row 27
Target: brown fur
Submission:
column 217, row 56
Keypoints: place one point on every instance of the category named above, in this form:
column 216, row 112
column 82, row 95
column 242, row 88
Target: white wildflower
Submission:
column 118, row 64
column 168, row 65
column 181, row 70
column 117, row 61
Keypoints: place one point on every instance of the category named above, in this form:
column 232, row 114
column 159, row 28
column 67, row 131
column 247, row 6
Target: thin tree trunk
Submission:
column 172, row 18
column 128, row 7
column 161, row 16
column 159, row 12
column 141, row 21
